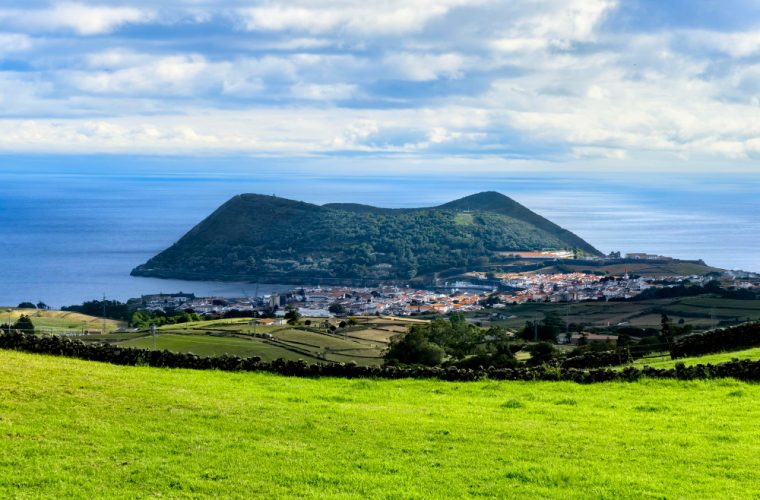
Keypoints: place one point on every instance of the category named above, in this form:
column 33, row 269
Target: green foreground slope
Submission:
column 76, row 428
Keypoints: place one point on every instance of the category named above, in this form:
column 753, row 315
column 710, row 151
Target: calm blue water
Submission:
column 73, row 232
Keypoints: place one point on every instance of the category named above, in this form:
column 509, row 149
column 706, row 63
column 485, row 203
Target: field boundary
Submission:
column 61, row 346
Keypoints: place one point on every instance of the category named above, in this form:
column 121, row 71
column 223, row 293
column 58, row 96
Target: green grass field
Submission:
column 721, row 357
column 71, row 428
column 204, row 345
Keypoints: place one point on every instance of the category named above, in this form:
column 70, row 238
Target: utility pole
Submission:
column 104, row 314
column 712, row 318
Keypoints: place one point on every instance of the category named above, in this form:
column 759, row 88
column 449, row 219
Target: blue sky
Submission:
column 481, row 84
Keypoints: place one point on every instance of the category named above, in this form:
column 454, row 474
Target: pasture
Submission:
column 58, row 320
column 72, row 428
column 721, row 357
column 363, row 343
column 701, row 312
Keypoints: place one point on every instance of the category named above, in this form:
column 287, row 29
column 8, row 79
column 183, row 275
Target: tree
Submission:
column 547, row 330
column 337, row 308
column 666, row 329
column 42, row 306
column 26, row 305
column 541, row 352
column 457, row 337
column 292, row 315
column 414, row 348
column 24, row 324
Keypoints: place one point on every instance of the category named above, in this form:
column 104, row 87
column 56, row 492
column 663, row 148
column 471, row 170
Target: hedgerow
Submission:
column 63, row 346
column 726, row 339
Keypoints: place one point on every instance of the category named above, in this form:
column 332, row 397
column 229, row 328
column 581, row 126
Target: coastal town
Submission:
column 459, row 296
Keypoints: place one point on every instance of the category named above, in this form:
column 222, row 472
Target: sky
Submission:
column 617, row 85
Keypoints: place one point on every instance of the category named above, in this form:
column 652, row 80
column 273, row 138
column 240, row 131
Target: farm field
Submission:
column 363, row 343
column 58, row 320
column 721, row 357
column 76, row 428
column 702, row 312
column 203, row 345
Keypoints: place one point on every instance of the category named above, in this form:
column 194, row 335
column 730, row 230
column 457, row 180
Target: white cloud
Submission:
column 173, row 74
column 739, row 44
column 424, row 67
column 121, row 72
column 529, row 72
column 323, row 92
column 541, row 24
column 81, row 18
column 369, row 17
column 253, row 130
column 14, row 42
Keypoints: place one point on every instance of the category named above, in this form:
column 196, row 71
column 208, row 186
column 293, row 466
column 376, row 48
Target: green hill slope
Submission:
column 77, row 429
column 257, row 237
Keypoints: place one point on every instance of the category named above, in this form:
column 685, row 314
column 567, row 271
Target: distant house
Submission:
column 269, row 321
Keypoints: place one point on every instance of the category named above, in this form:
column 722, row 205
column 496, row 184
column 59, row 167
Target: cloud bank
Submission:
column 545, row 80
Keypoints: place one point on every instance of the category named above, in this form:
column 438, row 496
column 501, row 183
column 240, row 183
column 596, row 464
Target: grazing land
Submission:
column 665, row 361
column 78, row 428
column 58, row 320
column 703, row 312
column 363, row 343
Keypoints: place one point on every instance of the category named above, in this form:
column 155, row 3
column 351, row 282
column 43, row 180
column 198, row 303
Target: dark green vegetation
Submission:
column 264, row 238
column 724, row 341
column 23, row 324
column 454, row 340
column 112, row 309
column 73, row 428
column 710, row 288
column 728, row 339
column 619, row 267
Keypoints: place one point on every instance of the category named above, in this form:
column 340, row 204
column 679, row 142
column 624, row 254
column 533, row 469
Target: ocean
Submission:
column 72, row 232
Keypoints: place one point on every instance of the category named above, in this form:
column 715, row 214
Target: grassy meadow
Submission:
column 58, row 320
column 76, row 428
column 722, row 357
column 363, row 343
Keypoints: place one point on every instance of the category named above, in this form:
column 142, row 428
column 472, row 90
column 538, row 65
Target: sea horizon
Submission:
column 74, row 232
